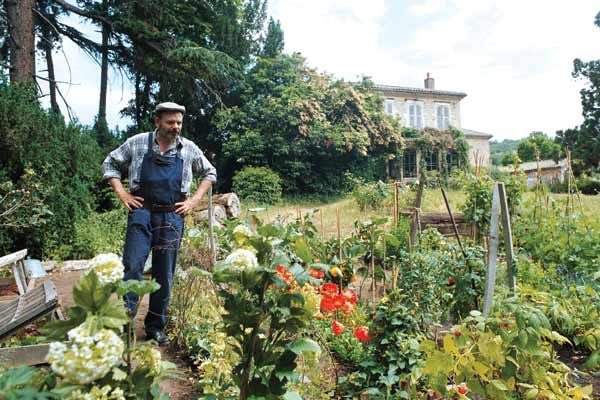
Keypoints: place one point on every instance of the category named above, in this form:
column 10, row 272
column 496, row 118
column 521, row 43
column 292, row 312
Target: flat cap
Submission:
column 169, row 106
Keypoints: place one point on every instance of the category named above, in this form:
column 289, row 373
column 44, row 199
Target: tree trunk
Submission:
column 103, row 73
column 22, row 40
column 48, row 47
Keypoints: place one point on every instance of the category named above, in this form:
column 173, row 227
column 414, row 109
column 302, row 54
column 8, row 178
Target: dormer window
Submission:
column 415, row 114
column 390, row 106
column 443, row 116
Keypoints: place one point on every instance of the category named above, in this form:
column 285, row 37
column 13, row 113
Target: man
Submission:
column 160, row 167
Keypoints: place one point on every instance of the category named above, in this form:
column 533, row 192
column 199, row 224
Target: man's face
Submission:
column 169, row 124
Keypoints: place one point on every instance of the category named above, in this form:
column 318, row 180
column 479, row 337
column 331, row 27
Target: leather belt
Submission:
column 160, row 207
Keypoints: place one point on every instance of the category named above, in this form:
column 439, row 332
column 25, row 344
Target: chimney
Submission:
column 429, row 82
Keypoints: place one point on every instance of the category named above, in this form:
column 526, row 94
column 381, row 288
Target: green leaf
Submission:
column 303, row 251
column 304, row 346
column 89, row 293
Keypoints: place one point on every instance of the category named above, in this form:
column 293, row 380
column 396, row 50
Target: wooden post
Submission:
column 507, row 237
column 454, row 227
column 322, row 228
column 395, row 204
column 339, row 232
column 490, row 277
column 415, row 227
column 211, row 236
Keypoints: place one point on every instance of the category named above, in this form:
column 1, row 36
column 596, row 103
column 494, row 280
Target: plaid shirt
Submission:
column 129, row 156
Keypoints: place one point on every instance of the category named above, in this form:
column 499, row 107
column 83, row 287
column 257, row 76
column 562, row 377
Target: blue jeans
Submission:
column 160, row 232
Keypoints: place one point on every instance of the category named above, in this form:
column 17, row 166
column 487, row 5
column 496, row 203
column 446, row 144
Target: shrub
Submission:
column 589, row 184
column 372, row 194
column 99, row 233
column 258, row 184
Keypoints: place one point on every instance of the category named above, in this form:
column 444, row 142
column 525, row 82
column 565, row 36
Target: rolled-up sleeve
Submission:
column 117, row 161
column 202, row 168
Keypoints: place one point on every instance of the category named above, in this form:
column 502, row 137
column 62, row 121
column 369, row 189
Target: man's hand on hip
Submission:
column 184, row 207
column 130, row 201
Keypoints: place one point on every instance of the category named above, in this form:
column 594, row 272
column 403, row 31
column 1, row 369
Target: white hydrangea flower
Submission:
column 242, row 259
column 105, row 392
column 243, row 230
column 108, row 267
column 86, row 357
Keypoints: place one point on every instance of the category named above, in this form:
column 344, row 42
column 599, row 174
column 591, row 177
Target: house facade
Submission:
column 430, row 108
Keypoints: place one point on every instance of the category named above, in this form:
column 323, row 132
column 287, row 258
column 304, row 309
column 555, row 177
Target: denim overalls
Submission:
column 156, row 227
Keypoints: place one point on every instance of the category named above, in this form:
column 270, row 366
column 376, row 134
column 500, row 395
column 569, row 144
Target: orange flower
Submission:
column 283, row 274
column 329, row 289
column 362, row 334
column 327, row 304
column 338, row 301
column 316, row 273
column 337, row 328
column 350, row 296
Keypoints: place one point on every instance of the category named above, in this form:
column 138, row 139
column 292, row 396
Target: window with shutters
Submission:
column 415, row 114
column 443, row 116
column 389, row 106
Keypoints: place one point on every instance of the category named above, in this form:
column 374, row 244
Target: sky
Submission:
column 513, row 58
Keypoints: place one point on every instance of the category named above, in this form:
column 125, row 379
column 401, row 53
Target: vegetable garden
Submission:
column 287, row 312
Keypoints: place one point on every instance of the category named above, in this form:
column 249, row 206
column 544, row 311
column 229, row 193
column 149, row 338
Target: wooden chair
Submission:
column 33, row 302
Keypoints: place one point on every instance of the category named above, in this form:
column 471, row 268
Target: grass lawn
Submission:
column 349, row 211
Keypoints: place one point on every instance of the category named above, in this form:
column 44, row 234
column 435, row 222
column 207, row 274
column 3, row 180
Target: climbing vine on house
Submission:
column 440, row 141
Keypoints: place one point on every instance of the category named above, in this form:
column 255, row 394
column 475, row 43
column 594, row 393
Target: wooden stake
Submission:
column 322, row 228
column 490, row 277
column 395, row 204
column 455, row 228
column 508, row 243
column 211, row 236
column 339, row 232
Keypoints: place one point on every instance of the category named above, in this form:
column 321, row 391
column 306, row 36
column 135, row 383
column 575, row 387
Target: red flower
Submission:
column 362, row 334
column 457, row 332
column 283, row 274
column 316, row 273
column 327, row 304
column 350, row 296
column 347, row 308
column 462, row 389
column 337, row 328
column 329, row 289
column 338, row 301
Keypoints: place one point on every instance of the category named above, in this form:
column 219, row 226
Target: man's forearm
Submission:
column 201, row 191
column 117, row 185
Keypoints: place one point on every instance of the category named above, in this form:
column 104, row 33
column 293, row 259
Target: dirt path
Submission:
column 178, row 389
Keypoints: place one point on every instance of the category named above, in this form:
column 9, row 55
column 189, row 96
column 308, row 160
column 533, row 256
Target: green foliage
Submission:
column 64, row 160
column 99, row 233
column 305, row 126
column 538, row 143
column 258, row 184
column 478, row 205
column 589, row 184
column 371, row 194
column 274, row 42
column 507, row 356
column 499, row 150
column 24, row 383
column 262, row 315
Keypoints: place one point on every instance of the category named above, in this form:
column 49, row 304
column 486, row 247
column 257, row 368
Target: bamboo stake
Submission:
column 339, row 232
column 211, row 236
column 322, row 228
column 395, row 204
column 508, row 243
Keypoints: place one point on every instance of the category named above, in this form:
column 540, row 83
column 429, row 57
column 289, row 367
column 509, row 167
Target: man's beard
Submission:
column 168, row 134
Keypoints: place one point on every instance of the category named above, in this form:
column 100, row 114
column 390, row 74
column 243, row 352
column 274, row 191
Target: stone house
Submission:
column 429, row 108
column 550, row 171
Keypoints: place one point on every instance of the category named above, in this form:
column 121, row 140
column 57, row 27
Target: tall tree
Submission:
column 538, row 143
column 274, row 42
column 21, row 38
column 585, row 141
